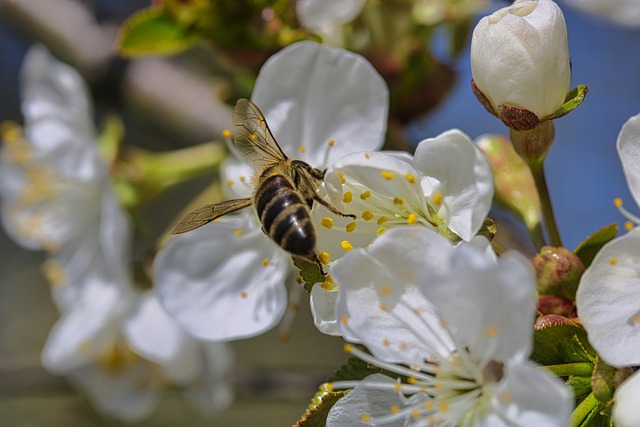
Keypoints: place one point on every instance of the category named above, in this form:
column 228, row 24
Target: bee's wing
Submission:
column 207, row 213
column 252, row 138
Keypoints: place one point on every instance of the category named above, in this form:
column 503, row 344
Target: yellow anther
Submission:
column 341, row 176
column 244, row 295
column 367, row 156
column 387, row 175
column 347, row 197
column 324, row 257
column 411, row 219
column 636, row 319
column 398, row 201
column 415, row 413
column 403, row 346
column 265, row 262
column 329, row 386
column 382, row 220
column 613, row 261
column 348, row 348
column 365, row 195
column 382, row 306
column 437, row 198
column 331, row 143
column 365, row 418
column 412, row 380
column 238, row 232
column 443, row 407
column 293, row 306
column 381, row 231
column 302, row 149
column 327, row 286
column 394, row 409
column 346, row 245
column 397, row 387
column 428, row 405
column 350, row 227
column 229, row 182
column 386, row 342
column 385, row 290
column 242, row 178
column 491, row 331
column 367, row 215
column 327, row 222
column 617, row 202
column 410, row 177
column 442, row 324
column 226, row 133
column 628, row 226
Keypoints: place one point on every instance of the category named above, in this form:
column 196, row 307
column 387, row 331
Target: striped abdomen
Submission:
column 285, row 216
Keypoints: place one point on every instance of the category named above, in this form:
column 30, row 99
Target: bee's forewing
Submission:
column 207, row 213
column 252, row 137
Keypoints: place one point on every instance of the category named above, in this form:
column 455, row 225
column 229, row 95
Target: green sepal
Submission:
column 558, row 340
column 488, row 229
column 309, row 272
column 580, row 385
column 590, row 246
column 152, row 32
column 590, row 412
column 354, row 370
column 571, row 102
column 318, row 410
column 602, row 381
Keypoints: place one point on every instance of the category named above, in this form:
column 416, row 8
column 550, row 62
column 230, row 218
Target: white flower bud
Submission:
column 520, row 57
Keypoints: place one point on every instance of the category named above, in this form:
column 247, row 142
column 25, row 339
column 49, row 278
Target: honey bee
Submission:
column 284, row 189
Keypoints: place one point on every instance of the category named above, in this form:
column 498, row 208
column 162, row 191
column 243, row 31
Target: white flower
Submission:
column 456, row 323
column 56, row 194
column 446, row 186
column 125, row 363
column 623, row 12
column 625, row 407
column 608, row 297
column 226, row 280
column 325, row 17
column 520, row 57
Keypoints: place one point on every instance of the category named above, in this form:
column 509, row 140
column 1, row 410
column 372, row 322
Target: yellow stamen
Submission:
column 628, row 226
column 347, row 197
column 410, row 178
column 253, row 136
column 386, row 342
column 394, row 409
column 491, row 331
column 238, row 232
column 613, row 261
column 382, row 220
column 367, row 215
column 385, row 290
column 387, row 175
column 381, row 231
column 636, row 319
column 242, row 178
column 54, row 273
column 324, row 258
column 365, row 195
column 341, row 176
column 244, row 295
column 265, row 262
column 327, row 222
column 437, row 199
column 327, row 286
column 617, row 202
column 415, row 413
column 412, row 218
column 365, row 418
column 302, row 149
column 350, row 227
column 367, row 156
column 346, row 245
column 229, row 183
column 398, row 201
column 397, row 387
column 331, row 143
column 226, row 133
column 444, row 407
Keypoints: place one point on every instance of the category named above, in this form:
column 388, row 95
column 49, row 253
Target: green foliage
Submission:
column 309, row 272
column 589, row 247
column 558, row 340
column 571, row 102
column 317, row 412
column 152, row 32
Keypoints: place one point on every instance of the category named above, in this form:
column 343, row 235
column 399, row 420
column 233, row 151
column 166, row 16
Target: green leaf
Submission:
column 602, row 381
column 354, row 370
column 317, row 412
column 151, row 32
column 309, row 271
column 589, row 247
column 581, row 386
column 558, row 340
column 571, row 102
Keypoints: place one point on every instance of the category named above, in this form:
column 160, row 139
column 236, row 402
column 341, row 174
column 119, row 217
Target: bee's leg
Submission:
column 317, row 262
column 332, row 208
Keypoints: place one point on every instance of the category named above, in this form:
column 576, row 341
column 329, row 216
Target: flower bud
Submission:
column 558, row 271
column 520, row 62
column 552, row 304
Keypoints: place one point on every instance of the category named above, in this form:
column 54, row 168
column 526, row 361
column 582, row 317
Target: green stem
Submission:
column 537, row 237
column 537, row 170
column 585, row 411
column 582, row 369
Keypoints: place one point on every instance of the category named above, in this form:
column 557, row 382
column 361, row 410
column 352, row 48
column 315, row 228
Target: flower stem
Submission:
column 585, row 411
column 537, row 170
column 583, row 369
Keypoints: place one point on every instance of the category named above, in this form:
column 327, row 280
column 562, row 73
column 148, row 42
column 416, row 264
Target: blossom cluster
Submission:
column 447, row 327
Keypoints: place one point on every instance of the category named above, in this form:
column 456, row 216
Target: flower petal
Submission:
column 629, row 151
column 625, row 404
column 222, row 284
column 329, row 94
column 365, row 402
column 530, row 397
column 458, row 170
column 322, row 15
column 488, row 307
column 608, row 301
column 322, row 303
column 379, row 303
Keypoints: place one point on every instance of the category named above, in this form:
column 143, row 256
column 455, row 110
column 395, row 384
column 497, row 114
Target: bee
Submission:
column 284, row 189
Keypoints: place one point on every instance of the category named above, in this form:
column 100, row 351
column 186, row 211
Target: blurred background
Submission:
column 168, row 103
